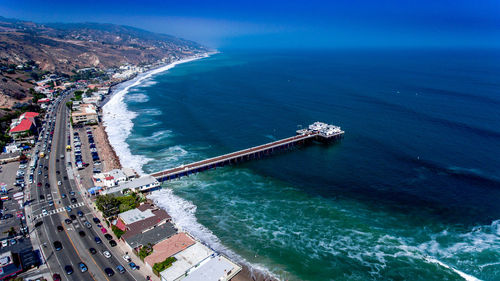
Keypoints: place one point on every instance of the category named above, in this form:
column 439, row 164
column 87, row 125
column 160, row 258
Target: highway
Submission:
column 75, row 248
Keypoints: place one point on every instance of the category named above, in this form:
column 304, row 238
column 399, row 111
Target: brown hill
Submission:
column 61, row 48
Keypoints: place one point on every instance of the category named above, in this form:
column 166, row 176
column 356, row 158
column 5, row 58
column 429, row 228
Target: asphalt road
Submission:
column 75, row 248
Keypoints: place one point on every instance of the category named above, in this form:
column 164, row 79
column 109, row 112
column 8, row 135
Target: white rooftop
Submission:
column 136, row 183
column 135, row 215
column 187, row 259
column 217, row 268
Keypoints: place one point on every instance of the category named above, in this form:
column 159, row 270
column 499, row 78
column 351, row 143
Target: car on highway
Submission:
column 92, row 251
column 120, row 269
column 72, row 193
column 83, row 267
column 39, row 184
column 59, row 183
column 56, row 277
column 13, row 241
column 44, row 212
column 112, row 243
column 67, row 221
column 57, row 245
column 58, row 172
column 98, row 240
column 109, row 271
column 60, row 228
column 51, row 203
column 79, row 213
column 107, row 254
column 63, row 195
column 68, row 208
column 108, row 236
column 42, row 197
column 73, row 200
column 87, row 224
column 68, row 269
column 81, row 233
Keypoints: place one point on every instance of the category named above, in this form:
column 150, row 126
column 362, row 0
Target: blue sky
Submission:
column 290, row 24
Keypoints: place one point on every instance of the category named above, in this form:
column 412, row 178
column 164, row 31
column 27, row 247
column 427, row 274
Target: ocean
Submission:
column 412, row 192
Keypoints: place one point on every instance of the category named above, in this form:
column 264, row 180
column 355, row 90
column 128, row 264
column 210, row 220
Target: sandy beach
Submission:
column 111, row 160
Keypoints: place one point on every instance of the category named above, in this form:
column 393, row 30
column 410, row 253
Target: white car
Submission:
column 127, row 258
column 59, row 183
column 44, row 212
column 5, row 243
column 107, row 254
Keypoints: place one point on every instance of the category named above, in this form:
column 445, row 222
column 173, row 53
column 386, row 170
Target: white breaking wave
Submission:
column 117, row 119
column 462, row 274
column 138, row 98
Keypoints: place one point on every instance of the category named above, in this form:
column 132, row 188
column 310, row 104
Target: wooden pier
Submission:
column 256, row 152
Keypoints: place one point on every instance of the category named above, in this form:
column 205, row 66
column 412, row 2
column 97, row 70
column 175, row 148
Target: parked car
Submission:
column 108, row 236
column 98, row 240
column 96, row 220
column 87, row 224
column 127, row 258
column 73, row 200
column 60, row 228
column 67, row 221
column 112, row 243
column 132, row 266
column 120, row 269
column 107, row 254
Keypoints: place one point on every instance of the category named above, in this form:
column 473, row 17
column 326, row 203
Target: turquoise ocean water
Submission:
column 411, row 193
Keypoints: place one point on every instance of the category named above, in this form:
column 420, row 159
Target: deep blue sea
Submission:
column 412, row 192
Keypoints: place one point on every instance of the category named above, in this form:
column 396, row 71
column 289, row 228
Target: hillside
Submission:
column 61, row 48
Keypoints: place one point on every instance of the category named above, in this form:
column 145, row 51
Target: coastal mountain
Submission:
column 61, row 47
column 65, row 47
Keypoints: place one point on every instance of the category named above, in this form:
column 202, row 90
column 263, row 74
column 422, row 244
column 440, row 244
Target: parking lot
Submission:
column 12, row 210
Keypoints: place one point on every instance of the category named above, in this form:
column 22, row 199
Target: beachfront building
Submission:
column 86, row 115
column 168, row 248
column 150, row 237
column 111, row 178
column 24, row 126
column 217, row 267
column 142, row 184
column 140, row 221
column 187, row 261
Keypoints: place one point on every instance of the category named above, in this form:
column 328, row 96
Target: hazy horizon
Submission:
column 291, row 24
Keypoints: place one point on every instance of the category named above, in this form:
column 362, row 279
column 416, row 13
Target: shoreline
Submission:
column 248, row 273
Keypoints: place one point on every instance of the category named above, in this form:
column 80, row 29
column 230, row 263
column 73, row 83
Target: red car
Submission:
column 56, row 277
column 39, row 184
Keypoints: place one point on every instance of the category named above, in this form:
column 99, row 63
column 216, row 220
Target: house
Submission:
column 9, row 265
column 168, row 248
column 186, row 261
column 145, row 183
column 23, row 126
column 86, row 115
column 138, row 220
column 218, row 267
column 151, row 236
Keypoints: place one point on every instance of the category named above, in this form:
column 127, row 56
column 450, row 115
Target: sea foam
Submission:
column 117, row 118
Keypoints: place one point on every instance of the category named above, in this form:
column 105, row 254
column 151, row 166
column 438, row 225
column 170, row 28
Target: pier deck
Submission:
column 256, row 152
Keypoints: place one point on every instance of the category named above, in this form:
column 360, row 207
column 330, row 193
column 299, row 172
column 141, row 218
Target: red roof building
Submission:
column 43, row 100
column 24, row 124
